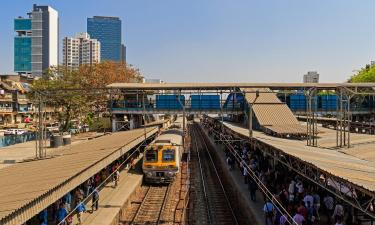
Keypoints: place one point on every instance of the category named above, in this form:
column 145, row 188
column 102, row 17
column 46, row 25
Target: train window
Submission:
column 151, row 156
column 168, row 155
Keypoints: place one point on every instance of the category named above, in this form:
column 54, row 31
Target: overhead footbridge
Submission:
column 268, row 113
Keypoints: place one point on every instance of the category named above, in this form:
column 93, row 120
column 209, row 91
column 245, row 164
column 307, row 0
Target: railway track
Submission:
column 149, row 210
column 160, row 204
column 211, row 200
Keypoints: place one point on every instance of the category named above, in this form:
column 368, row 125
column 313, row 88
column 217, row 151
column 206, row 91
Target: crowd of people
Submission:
column 74, row 203
column 295, row 200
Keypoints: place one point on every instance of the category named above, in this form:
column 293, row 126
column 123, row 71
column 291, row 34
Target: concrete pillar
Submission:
column 114, row 123
column 131, row 122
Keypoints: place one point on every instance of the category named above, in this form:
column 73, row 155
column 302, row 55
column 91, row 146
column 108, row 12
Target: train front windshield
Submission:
column 151, row 156
column 168, row 155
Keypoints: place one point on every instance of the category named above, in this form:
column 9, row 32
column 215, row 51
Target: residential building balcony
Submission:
column 6, row 97
column 6, row 109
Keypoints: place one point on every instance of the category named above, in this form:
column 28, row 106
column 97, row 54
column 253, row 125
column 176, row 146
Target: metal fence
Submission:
column 16, row 139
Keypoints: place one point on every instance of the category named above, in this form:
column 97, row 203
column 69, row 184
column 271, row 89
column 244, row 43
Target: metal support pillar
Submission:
column 144, row 116
column 221, row 110
column 311, row 117
column 183, row 118
column 349, row 120
column 337, row 117
column 251, row 113
column 250, row 120
column 343, row 118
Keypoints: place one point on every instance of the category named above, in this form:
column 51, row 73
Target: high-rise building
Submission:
column 22, row 46
column 311, row 77
column 36, row 46
column 123, row 53
column 80, row 50
column 107, row 30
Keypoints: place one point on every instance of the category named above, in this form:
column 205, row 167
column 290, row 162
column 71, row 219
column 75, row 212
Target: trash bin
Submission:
column 57, row 141
column 51, row 142
column 67, row 139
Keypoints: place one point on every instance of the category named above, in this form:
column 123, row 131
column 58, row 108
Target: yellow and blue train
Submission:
column 162, row 157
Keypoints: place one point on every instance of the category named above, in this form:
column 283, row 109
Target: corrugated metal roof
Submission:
column 274, row 114
column 265, row 96
column 27, row 188
column 271, row 113
column 287, row 129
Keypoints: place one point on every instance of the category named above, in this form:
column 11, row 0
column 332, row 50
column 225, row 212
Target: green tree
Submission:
column 364, row 75
column 51, row 88
column 79, row 94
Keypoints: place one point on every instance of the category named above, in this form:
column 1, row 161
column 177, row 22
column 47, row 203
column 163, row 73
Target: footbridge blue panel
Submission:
column 205, row 102
column 170, row 101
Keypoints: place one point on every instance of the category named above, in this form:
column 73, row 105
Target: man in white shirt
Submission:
column 309, row 200
column 291, row 190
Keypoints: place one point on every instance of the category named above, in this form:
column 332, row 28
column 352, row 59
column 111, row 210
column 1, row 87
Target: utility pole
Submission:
column 39, row 132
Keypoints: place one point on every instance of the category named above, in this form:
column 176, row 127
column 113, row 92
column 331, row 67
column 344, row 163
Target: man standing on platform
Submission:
column 95, row 200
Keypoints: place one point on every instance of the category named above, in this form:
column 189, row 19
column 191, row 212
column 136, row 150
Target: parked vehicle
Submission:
column 52, row 128
column 15, row 132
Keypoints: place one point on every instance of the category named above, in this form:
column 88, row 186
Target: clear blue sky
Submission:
column 223, row 40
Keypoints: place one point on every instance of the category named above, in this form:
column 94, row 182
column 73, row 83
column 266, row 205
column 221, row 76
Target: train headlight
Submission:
column 171, row 174
column 149, row 174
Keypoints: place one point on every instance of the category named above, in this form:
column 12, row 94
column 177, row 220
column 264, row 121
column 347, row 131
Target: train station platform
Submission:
column 347, row 174
column 112, row 199
column 17, row 153
column 29, row 187
column 356, row 170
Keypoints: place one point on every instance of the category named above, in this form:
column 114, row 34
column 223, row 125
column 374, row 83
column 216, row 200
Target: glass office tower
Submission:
column 36, row 45
column 22, row 46
column 107, row 30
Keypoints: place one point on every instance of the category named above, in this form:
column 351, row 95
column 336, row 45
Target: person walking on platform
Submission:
column 311, row 214
column 61, row 214
column 245, row 174
column 95, row 200
column 308, row 199
column 116, row 177
column 269, row 211
column 115, row 174
column 81, row 208
column 338, row 213
column 292, row 190
column 253, row 189
column 132, row 163
column 67, row 199
column 328, row 205
column 283, row 219
column 89, row 184
column 299, row 219
column 316, row 197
